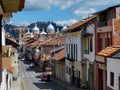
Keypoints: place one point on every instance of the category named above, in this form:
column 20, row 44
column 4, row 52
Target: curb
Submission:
column 22, row 81
column 23, row 84
column 59, row 84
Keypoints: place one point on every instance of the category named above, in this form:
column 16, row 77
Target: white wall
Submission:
column 3, row 36
column 73, row 38
column 67, row 74
column 6, row 83
column 91, row 55
column 113, row 65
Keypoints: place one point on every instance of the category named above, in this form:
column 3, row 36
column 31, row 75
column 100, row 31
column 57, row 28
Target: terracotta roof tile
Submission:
column 79, row 23
column 60, row 55
column 6, row 62
column 109, row 51
column 54, row 41
column 34, row 44
column 29, row 40
column 12, row 40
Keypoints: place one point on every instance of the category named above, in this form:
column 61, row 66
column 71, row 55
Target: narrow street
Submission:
column 31, row 81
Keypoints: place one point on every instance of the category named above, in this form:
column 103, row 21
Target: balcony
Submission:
column 68, row 58
column 102, row 24
column 86, row 51
column 104, row 29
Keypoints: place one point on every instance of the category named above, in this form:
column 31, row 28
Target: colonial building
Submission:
column 79, row 42
column 6, row 10
column 111, row 56
column 57, row 61
column 106, row 34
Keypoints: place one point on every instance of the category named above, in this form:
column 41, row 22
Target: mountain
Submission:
column 44, row 25
column 15, row 33
column 12, row 30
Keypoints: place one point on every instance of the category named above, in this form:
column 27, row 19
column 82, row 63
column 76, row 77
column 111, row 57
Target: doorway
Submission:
column 100, row 80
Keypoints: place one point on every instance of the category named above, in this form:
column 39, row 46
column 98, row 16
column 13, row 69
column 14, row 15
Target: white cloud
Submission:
column 66, row 22
column 84, row 12
column 90, row 6
column 37, row 5
column 46, row 4
column 82, row 8
column 98, row 3
column 22, row 23
column 61, row 22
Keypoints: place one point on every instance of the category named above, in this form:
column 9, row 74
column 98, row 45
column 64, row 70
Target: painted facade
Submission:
column 73, row 57
column 79, row 56
column 88, row 52
column 6, row 10
column 113, row 74
column 106, row 34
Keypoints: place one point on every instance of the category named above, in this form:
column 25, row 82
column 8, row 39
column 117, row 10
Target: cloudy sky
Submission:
column 59, row 11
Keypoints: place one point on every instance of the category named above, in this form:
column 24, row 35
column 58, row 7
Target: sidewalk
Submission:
column 65, row 85
column 16, row 85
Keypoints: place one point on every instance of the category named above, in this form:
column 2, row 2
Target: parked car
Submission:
column 45, row 76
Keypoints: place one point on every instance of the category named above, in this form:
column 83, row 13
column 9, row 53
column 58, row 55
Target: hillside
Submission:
column 14, row 32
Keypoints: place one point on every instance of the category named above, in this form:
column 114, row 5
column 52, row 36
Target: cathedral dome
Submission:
column 28, row 31
column 64, row 27
column 35, row 29
column 50, row 28
column 43, row 32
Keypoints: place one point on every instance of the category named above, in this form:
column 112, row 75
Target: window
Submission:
column 111, row 78
column 91, row 45
column 110, row 14
column 67, row 48
column 66, row 69
column 72, row 52
column 76, row 51
column 69, row 71
column 100, row 43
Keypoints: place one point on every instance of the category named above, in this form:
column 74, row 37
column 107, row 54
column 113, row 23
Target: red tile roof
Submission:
column 13, row 40
column 79, row 24
column 109, row 51
column 54, row 41
column 60, row 55
column 34, row 44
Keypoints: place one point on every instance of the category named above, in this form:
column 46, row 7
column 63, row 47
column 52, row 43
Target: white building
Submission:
column 35, row 29
column 73, row 46
column 88, row 54
column 3, row 36
column 79, row 38
column 50, row 28
column 113, row 72
column 6, row 80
